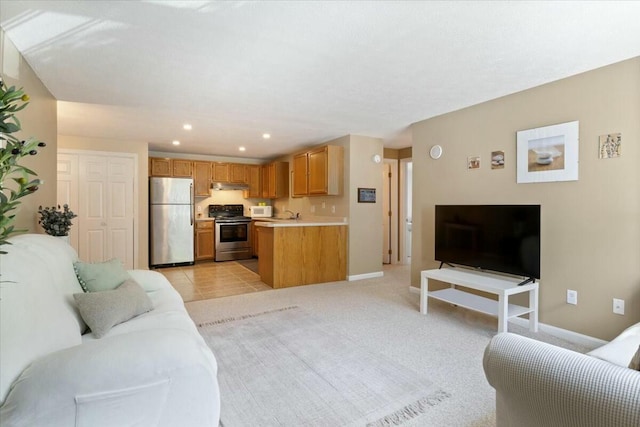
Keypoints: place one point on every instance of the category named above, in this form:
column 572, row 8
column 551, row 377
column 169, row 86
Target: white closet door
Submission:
column 105, row 189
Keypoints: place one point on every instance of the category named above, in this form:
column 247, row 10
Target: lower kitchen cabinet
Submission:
column 204, row 241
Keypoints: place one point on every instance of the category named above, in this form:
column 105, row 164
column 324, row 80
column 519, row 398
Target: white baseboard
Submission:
column 365, row 276
column 565, row 334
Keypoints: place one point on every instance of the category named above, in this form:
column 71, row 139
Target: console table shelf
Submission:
column 501, row 286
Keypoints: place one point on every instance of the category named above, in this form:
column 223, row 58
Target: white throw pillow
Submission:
column 621, row 349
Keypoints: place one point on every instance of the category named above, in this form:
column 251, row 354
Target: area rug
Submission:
column 285, row 367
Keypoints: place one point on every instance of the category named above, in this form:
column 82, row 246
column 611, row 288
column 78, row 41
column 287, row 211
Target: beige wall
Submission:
column 39, row 120
column 590, row 227
column 359, row 171
column 119, row 146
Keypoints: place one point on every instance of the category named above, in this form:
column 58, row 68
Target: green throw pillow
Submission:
column 101, row 311
column 101, row 276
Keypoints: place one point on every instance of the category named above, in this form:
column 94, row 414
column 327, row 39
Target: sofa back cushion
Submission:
column 37, row 312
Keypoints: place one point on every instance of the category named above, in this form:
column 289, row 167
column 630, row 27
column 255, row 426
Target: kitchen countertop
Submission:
column 205, row 218
column 311, row 222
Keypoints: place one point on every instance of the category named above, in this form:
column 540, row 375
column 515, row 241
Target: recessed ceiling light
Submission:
column 242, row 149
column 187, row 126
column 266, row 136
column 176, row 142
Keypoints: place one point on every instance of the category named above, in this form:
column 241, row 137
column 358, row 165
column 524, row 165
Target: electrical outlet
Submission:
column 324, row 205
column 572, row 297
column 618, row 306
column 199, row 209
column 333, row 208
column 312, row 209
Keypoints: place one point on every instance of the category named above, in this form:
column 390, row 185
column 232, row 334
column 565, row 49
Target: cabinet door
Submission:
column 159, row 167
column 300, row 175
column 220, row 172
column 254, row 175
column 202, row 179
column 182, row 168
column 254, row 238
column 204, row 245
column 318, row 168
column 237, row 173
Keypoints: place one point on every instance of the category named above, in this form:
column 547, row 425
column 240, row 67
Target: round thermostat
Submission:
column 435, row 152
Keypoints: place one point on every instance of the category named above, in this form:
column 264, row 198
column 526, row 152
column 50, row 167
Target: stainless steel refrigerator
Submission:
column 171, row 221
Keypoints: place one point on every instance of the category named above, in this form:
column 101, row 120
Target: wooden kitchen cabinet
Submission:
column 300, row 175
column 202, row 179
column 204, row 241
column 220, row 172
column 319, row 172
column 237, row 173
column 164, row 167
column 159, row 167
column 275, row 180
column 181, row 168
column 254, row 179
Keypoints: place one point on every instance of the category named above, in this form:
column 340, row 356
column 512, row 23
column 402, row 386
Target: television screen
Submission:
column 502, row 238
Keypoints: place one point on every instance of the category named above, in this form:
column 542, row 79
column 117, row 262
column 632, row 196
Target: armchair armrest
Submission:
column 150, row 280
column 541, row 384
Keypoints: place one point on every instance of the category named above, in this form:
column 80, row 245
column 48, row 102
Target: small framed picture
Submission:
column 473, row 162
column 366, row 195
column 497, row 160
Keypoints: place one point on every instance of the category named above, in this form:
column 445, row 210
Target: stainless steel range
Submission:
column 232, row 237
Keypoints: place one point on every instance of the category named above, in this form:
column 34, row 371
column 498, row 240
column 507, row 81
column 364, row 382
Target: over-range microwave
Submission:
column 260, row 211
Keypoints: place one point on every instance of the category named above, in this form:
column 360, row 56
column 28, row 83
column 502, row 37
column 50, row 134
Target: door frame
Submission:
column 136, row 208
column 393, row 205
column 403, row 210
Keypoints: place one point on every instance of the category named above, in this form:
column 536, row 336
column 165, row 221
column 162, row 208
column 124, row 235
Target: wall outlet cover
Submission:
column 572, row 297
column 618, row 306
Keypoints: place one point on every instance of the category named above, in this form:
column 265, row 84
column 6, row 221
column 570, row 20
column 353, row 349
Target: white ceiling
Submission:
column 305, row 72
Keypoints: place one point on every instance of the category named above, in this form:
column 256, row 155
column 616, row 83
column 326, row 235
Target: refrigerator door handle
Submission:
column 192, row 201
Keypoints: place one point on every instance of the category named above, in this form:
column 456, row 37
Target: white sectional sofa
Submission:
column 538, row 384
column 152, row 370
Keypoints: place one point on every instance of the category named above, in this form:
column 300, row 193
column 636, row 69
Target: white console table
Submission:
column 490, row 283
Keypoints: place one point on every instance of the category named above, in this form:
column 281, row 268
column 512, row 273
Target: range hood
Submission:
column 219, row 186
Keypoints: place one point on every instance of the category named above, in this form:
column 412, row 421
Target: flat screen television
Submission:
column 501, row 238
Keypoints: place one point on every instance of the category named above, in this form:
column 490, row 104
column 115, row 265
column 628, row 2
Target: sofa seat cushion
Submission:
column 131, row 379
column 621, row 349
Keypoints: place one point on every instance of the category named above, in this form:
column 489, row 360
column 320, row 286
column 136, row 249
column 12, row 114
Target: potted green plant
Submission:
column 16, row 181
column 56, row 221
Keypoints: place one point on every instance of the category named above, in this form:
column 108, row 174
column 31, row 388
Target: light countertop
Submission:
column 311, row 222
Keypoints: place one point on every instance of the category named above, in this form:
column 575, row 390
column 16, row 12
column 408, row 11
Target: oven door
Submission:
column 233, row 240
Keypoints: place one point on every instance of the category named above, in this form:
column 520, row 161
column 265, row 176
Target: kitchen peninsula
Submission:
column 301, row 252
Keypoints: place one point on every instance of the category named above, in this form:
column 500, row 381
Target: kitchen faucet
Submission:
column 293, row 215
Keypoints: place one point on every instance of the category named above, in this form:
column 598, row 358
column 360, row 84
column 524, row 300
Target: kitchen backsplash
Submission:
column 228, row 197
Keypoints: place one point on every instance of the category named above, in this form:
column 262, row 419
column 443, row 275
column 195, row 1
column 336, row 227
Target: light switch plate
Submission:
column 618, row 306
column 572, row 297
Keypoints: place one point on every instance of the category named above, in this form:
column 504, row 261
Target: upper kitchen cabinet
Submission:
column 220, row 172
column 182, row 168
column 229, row 172
column 170, row 167
column 237, row 173
column 202, row 179
column 318, row 172
column 275, row 180
column 254, row 179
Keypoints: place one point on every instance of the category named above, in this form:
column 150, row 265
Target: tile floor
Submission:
column 206, row 280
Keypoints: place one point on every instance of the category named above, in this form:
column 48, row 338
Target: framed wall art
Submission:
column 366, row 195
column 548, row 154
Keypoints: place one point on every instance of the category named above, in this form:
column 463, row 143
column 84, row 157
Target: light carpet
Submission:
column 382, row 316
column 286, row 367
